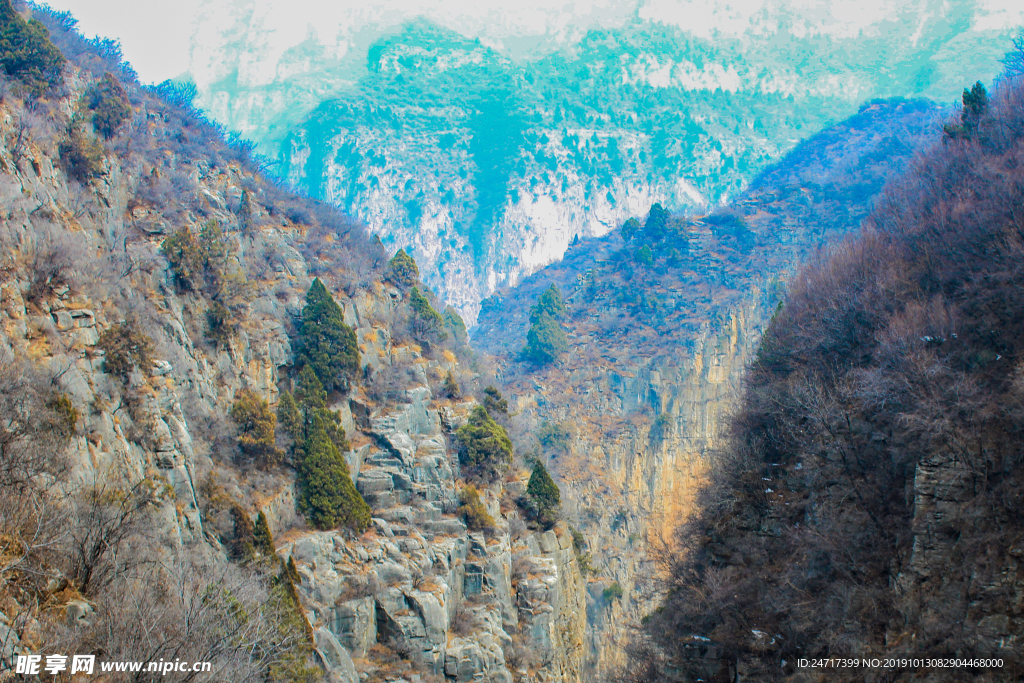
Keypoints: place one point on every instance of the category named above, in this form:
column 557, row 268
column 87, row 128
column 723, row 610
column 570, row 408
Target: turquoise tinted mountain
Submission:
column 485, row 162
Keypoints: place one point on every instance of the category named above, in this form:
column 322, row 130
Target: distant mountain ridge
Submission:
column 487, row 161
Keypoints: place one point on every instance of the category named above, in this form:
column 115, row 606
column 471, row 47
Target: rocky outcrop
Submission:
column 451, row 602
column 417, row 595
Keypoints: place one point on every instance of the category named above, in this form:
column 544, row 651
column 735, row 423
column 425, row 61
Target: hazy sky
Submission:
column 156, row 36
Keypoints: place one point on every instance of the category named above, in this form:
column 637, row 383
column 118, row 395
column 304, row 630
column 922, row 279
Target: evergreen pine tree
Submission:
column 26, row 52
column 486, row 450
column 327, row 495
column 544, row 494
column 325, row 342
column 288, row 415
column 545, row 341
column 262, row 539
column 494, row 402
column 549, row 303
column 455, row 325
column 242, row 545
column 402, row 270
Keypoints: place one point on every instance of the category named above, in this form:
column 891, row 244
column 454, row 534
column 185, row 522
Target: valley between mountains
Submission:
column 239, row 426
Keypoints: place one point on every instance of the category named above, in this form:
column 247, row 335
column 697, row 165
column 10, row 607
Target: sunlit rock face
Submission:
column 485, row 139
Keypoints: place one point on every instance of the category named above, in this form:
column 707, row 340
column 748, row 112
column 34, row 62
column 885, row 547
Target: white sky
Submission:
column 155, row 36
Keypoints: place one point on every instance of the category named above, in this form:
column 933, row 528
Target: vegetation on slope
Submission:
column 868, row 501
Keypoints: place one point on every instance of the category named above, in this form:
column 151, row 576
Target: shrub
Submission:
column 612, row 592
column 455, row 325
column 451, row 387
column 51, row 268
column 630, row 228
column 81, row 156
column 26, row 52
column 109, row 104
column 427, row 324
column 327, row 495
column 198, row 261
column 402, row 270
column 220, row 324
column 485, row 449
column 255, row 429
column 555, row 435
column 545, row 341
column 494, row 402
column 326, row 344
column 65, row 415
column 542, row 497
column 125, row 347
column 473, row 510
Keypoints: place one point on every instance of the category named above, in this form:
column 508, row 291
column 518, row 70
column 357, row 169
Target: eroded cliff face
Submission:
column 418, row 596
column 642, row 438
column 657, row 352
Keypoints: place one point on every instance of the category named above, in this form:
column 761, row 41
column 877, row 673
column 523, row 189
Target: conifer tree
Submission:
column 451, row 387
column 549, row 303
column 544, row 495
column 288, row 415
column 546, row 340
column 262, row 539
column 427, row 324
column 494, row 402
column 242, row 544
column 485, row 448
column 455, row 325
column 402, row 270
column 26, row 52
column 326, row 343
column 327, row 495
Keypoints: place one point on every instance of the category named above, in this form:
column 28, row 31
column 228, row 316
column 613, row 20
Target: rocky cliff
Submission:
column 867, row 500
column 657, row 352
column 86, row 219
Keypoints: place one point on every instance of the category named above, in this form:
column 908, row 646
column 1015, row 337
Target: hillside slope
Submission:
column 867, row 501
column 158, row 311
column 657, row 351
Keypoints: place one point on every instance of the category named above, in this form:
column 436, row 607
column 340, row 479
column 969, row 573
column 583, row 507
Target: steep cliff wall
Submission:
column 417, row 596
column 657, row 352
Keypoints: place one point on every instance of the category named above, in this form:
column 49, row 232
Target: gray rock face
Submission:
column 392, row 591
column 420, row 570
column 334, row 657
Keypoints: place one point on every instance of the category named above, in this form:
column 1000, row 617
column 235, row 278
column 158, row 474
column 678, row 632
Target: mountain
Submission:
column 658, row 346
column 232, row 431
column 485, row 159
column 866, row 498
